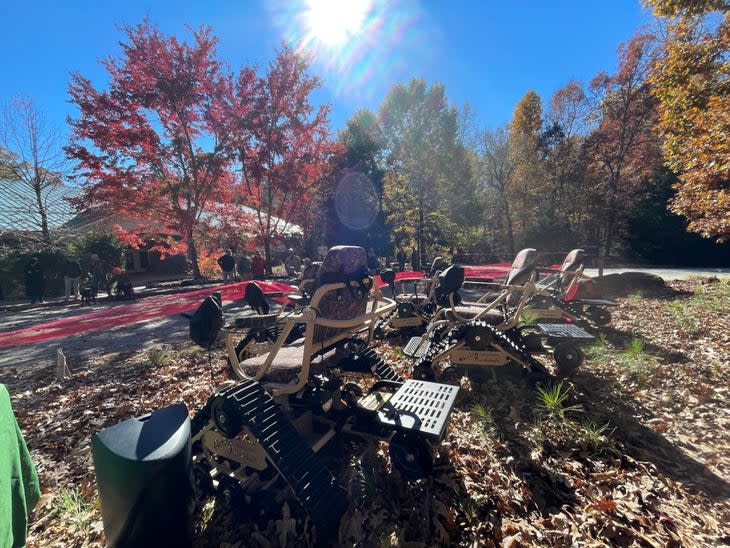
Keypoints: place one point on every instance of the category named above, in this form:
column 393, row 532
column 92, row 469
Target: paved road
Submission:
column 668, row 273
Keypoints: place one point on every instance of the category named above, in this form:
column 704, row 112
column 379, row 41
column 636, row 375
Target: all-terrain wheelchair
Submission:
column 260, row 436
column 470, row 336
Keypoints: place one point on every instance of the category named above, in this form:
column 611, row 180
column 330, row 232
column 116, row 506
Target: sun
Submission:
column 334, row 21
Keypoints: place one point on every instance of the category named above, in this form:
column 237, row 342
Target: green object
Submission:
column 19, row 485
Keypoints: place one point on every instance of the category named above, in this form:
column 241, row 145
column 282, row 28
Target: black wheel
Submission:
column 478, row 337
column 568, row 357
column 350, row 393
column 202, row 482
column 263, row 508
column 412, row 456
column 533, row 342
column 423, row 372
column 231, row 493
column 226, row 417
column 599, row 316
column 450, row 375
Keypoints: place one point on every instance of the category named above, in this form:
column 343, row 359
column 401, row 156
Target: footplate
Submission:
column 420, row 406
column 416, row 347
column 565, row 331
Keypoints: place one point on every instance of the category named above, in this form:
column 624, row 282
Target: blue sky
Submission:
column 486, row 52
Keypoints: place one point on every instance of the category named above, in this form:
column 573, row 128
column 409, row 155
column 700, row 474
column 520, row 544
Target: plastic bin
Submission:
column 144, row 477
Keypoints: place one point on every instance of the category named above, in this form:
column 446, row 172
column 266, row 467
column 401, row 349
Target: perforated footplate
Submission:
column 565, row 331
column 420, row 406
column 413, row 349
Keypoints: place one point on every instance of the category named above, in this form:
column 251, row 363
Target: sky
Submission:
column 488, row 53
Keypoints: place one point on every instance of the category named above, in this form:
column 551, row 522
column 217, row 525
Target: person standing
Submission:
column 34, row 281
column 415, row 261
column 292, row 263
column 400, row 257
column 71, row 278
column 228, row 265
column 97, row 269
column 258, row 266
column 244, row 267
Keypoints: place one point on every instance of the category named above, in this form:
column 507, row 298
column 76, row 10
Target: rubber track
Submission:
column 514, row 348
column 300, row 467
column 377, row 365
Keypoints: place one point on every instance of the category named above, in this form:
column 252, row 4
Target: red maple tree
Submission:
column 289, row 153
column 159, row 145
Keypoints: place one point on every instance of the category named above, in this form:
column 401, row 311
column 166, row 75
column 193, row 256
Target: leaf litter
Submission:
column 641, row 460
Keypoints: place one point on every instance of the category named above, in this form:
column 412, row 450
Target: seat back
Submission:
column 573, row 260
column 523, row 267
column 340, row 289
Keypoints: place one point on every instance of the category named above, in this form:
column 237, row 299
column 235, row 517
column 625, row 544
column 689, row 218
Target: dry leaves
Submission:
column 657, row 475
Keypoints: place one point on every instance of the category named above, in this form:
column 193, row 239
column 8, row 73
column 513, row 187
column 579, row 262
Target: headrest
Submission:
column 573, row 260
column 255, row 298
column 522, row 267
column 343, row 263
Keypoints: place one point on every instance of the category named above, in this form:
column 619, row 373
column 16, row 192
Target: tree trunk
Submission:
column 193, row 254
column 419, row 245
column 42, row 211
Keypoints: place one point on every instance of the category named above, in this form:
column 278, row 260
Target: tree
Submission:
column 692, row 84
column 289, row 151
column 31, row 154
column 623, row 149
column 421, row 134
column 498, row 161
column 526, row 182
column 164, row 136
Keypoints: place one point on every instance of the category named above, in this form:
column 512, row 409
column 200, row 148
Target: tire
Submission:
column 350, row 393
column 450, row 375
column 599, row 316
column 568, row 357
column 226, row 417
column 411, row 456
column 423, row 372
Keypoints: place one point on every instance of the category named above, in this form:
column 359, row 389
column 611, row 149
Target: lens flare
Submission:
column 356, row 201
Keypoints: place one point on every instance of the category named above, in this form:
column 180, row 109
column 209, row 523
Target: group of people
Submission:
column 255, row 267
column 96, row 277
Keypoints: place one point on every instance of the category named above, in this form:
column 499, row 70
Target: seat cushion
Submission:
column 287, row 363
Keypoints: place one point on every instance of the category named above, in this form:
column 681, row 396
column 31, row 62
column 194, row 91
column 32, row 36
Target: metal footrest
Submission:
column 564, row 331
column 420, row 406
column 416, row 347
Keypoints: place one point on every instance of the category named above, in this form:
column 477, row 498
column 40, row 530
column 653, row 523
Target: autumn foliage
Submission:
column 178, row 142
column 692, row 84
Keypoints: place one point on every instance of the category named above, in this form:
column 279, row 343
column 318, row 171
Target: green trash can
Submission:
column 144, row 477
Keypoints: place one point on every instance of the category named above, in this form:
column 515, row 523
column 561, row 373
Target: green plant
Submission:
column 636, row 361
column 71, row 508
column 596, row 439
column 485, row 419
column 528, row 317
column 552, row 400
column 683, row 315
column 367, row 480
column 599, row 350
column 635, row 298
column 159, row 357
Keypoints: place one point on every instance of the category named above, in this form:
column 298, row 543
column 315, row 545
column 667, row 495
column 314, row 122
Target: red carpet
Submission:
column 167, row 305
column 123, row 314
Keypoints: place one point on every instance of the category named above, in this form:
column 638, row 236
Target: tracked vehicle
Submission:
column 470, row 337
column 257, row 440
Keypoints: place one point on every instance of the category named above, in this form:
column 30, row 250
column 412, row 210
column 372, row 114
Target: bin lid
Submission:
column 157, row 435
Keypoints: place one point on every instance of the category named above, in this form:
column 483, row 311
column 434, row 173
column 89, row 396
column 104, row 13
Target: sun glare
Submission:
column 334, row 21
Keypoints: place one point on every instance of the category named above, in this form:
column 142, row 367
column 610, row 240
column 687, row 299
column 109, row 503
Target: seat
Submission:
column 338, row 310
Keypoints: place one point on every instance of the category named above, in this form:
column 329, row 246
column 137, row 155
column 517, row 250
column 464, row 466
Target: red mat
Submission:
column 123, row 314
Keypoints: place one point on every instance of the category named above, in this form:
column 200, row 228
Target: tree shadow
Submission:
column 641, row 442
column 621, row 339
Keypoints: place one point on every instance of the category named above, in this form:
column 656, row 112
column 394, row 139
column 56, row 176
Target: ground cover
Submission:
column 630, row 451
